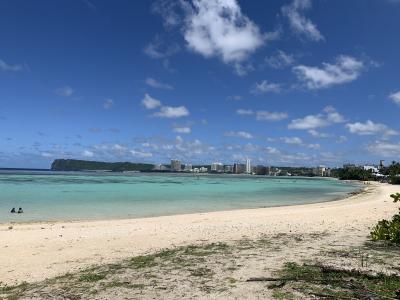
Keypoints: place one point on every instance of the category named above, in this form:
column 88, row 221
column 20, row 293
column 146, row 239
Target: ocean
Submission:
column 54, row 196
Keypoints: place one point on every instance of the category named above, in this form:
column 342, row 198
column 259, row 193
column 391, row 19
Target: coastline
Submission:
column 35, row 251
column 360, row 189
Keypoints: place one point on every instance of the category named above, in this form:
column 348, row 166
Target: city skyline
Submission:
column 286, row 83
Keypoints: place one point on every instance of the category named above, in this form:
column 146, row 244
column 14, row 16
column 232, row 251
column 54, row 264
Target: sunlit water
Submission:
column 49, row 196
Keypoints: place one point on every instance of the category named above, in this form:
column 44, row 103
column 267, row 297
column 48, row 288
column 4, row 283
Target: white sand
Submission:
column 32, row 252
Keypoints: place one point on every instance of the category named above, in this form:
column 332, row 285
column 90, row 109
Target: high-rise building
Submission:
column 228, row 169
column 217, row 167
column 239, row 168
column 188, row 168
column 248, row 166
column 176, row 165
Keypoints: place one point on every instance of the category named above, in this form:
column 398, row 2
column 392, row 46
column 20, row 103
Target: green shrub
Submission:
column 388, row 230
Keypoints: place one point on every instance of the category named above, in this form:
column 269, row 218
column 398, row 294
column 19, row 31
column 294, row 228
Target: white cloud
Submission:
column 172, row 112
column 219, row 28
column 158, row 85
column 108, row 103
column 46, row 154
column 311, row 122
column 150, row 102
column 239, row 134
column 263, row 115
column 280, row 60
column 308, row 122
column 395, row 97
column 318, row 134
column 299, row 23
column 141, row 154
column 370, row 128
column 344, row 70
column 333, row 116
column 272, row 150
column 65, row 91
column 386, row 149
column 157, row 49
column 181, row 129
column 11, row 68
column 244, row 111
column 265, row 87
column 87, row 153
column 292, row 140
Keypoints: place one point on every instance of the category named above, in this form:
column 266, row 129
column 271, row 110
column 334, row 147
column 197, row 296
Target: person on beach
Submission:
column 12, row 210
column 20, row 211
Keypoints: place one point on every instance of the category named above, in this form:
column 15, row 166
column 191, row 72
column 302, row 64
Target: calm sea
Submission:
column 46, row 196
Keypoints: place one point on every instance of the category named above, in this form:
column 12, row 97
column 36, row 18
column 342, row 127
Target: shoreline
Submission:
column 36, row 251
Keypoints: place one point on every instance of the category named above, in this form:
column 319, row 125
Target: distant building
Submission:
column 239, row 168
column 188, row 168
column 261, row 170
column 217, row 167
column 176, row 165
column 228, row 169
column 322, row 171
column 160, row 167
column 248, row 166
column 203, row 170
column 373, row 169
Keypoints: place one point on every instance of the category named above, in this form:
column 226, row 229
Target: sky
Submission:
column 283, row 83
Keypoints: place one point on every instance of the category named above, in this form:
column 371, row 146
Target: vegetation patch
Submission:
column 388, row 230
column 331, row 283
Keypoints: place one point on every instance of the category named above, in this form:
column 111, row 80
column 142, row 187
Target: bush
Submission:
column 395, row 179
column 388, row 230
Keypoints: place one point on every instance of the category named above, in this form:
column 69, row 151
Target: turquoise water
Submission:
column 47, row 196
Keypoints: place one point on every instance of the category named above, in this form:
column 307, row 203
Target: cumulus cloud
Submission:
column 141, row 154
column 87, row 153
column 158, row 85
column 65, row 91
column 395, row 97
column 10, row 68
column 312, row 122
column 280, row 60
column 150, row 103
column 181, row 129
column 108, row 103
column 265, row 87
column 370, row 128
column 157, row 49
column 308, row 122
column 300, row 24
column 219, row 28
column 318, row 134
column 165, row 111
column 263, row 115
column 344, row 70
column 386, row 149
column 292, row 140
column 172, row 112
column 242, row 111
column 239, row 134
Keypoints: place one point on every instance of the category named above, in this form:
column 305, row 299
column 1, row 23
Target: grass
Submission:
column 92, row 277
column 326, row 282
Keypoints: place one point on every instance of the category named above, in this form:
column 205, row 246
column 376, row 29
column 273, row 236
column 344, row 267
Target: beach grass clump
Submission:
column 388, row 230
column 92, row 277
column 332, row 283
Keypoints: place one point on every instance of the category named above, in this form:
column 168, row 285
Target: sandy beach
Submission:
column 36, row 251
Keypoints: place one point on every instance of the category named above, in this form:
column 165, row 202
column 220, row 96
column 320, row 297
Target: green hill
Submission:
column 83, row 165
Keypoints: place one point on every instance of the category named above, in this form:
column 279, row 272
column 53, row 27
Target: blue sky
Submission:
column 294, row 82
